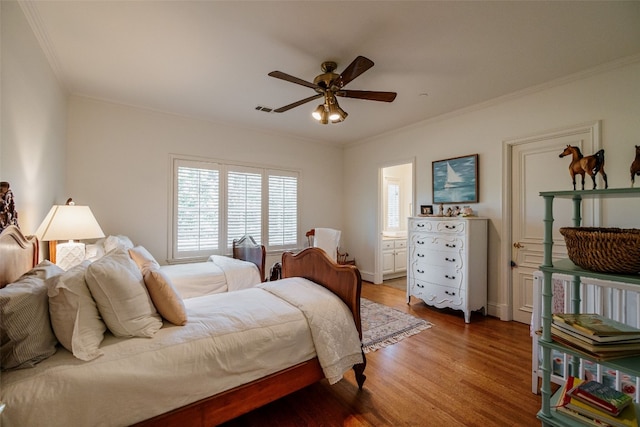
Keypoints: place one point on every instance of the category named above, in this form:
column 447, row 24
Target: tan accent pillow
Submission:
column 143, row 259
column 165, row 297
column 74, row 314
column 117, row 286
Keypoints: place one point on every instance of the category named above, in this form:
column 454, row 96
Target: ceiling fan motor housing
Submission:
column 326, row 80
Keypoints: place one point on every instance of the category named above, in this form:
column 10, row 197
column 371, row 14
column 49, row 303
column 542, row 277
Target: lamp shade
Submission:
column 69, row 222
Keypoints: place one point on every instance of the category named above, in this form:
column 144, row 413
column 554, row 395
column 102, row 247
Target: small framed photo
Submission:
column 456, row 180
column 426, row 210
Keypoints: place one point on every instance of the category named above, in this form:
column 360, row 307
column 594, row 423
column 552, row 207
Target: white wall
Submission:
column 33, row 114
column 118, row 163
column 611, row 96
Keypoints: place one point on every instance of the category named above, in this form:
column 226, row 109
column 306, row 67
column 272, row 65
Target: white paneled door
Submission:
column 536, row 167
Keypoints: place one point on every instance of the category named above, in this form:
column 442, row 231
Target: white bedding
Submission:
column 217, row 274
column 231, row 339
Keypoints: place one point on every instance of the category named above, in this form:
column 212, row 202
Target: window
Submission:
column 283, row 209
column 393, row 205
column 215, row 203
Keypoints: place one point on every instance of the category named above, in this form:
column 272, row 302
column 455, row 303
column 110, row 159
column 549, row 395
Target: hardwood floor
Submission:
column 454, row 374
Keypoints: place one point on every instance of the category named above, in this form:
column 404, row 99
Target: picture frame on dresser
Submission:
column 455, row 180
column 426, row 209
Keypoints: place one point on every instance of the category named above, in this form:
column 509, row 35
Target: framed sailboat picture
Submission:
column 456, row 180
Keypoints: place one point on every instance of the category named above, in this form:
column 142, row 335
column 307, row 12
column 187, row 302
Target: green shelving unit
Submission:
column 631, row 365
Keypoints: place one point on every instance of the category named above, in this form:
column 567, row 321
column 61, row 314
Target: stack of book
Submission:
column 596, row 404
column 596, row 336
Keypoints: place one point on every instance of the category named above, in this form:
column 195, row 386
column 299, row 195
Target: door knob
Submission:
column 518, row 245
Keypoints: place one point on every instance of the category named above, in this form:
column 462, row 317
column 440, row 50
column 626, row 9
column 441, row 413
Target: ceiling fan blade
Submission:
column 357, row 67
column 297, row 103
column 292, row 79
column 367, row 94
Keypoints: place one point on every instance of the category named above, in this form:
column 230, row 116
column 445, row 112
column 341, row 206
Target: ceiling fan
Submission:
column 328, row 85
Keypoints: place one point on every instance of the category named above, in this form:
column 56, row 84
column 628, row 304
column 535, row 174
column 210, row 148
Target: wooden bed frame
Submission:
column 19, row 254
column 247, row 249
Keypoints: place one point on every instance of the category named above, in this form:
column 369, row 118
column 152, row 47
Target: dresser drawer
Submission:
column 439, row 275
column 441, row 225
column 400, row 244
column 436, row 295
column 426, row 257
column 425, row 241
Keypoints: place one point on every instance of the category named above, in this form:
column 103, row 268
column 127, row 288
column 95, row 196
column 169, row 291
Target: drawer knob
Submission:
column 419, row 225
column 420, row 242
column 450, row 245
column 420, row 255
column 450, row 293
column 450, row 227
column 419, row 285
column 449, row 277
column 450, row 259
column 420, row 271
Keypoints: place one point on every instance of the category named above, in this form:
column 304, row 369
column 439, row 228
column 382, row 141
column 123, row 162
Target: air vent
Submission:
column 265, row 109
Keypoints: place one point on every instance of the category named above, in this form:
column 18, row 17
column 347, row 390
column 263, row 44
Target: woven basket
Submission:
column 606, row 250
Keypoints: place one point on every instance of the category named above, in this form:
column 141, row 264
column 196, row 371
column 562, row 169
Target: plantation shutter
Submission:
column 197, row 207
column 283, row 209
column 393, row 206
column 244, row 204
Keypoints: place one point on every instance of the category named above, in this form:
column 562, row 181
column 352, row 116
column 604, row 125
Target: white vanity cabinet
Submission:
column 394, row 257
column 448, row 262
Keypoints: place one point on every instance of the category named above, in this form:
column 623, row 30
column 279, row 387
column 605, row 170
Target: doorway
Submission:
column 533, row 165
column 396, row 202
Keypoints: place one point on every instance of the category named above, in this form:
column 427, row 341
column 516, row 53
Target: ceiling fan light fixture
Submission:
column 341, row 116
column 335, row 113
column 318, row 112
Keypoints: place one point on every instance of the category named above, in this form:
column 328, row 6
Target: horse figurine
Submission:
column 635, row 166
column 590, row 165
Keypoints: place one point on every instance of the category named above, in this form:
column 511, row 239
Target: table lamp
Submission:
column 68, row 222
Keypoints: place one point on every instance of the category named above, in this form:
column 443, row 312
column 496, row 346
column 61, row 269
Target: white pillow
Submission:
column 74, row 314
column 117, row 286
column 113, row 242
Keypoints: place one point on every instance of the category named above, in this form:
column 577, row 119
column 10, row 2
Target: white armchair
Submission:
column 327, row 239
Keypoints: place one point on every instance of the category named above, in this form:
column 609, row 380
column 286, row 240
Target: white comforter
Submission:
column 231, row 339
column 217, row 274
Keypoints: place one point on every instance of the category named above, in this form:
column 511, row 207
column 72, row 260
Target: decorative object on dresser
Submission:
column 448, row 263
column 426, row 210
column 635, row 166
column 456, row 180
column 68, row 222
column 580, row 164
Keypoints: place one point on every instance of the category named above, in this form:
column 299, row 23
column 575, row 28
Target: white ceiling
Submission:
column 210, row 59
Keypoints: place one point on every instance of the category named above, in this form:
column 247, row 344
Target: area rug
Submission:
column 383, row 326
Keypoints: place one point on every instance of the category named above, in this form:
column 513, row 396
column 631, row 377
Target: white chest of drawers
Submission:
column 448, row 263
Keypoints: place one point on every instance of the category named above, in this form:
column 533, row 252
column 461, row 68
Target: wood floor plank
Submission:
column 454, row 374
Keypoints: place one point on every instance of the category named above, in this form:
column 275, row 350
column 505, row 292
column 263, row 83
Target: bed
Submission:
column 245, row 269
column 164, row 394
